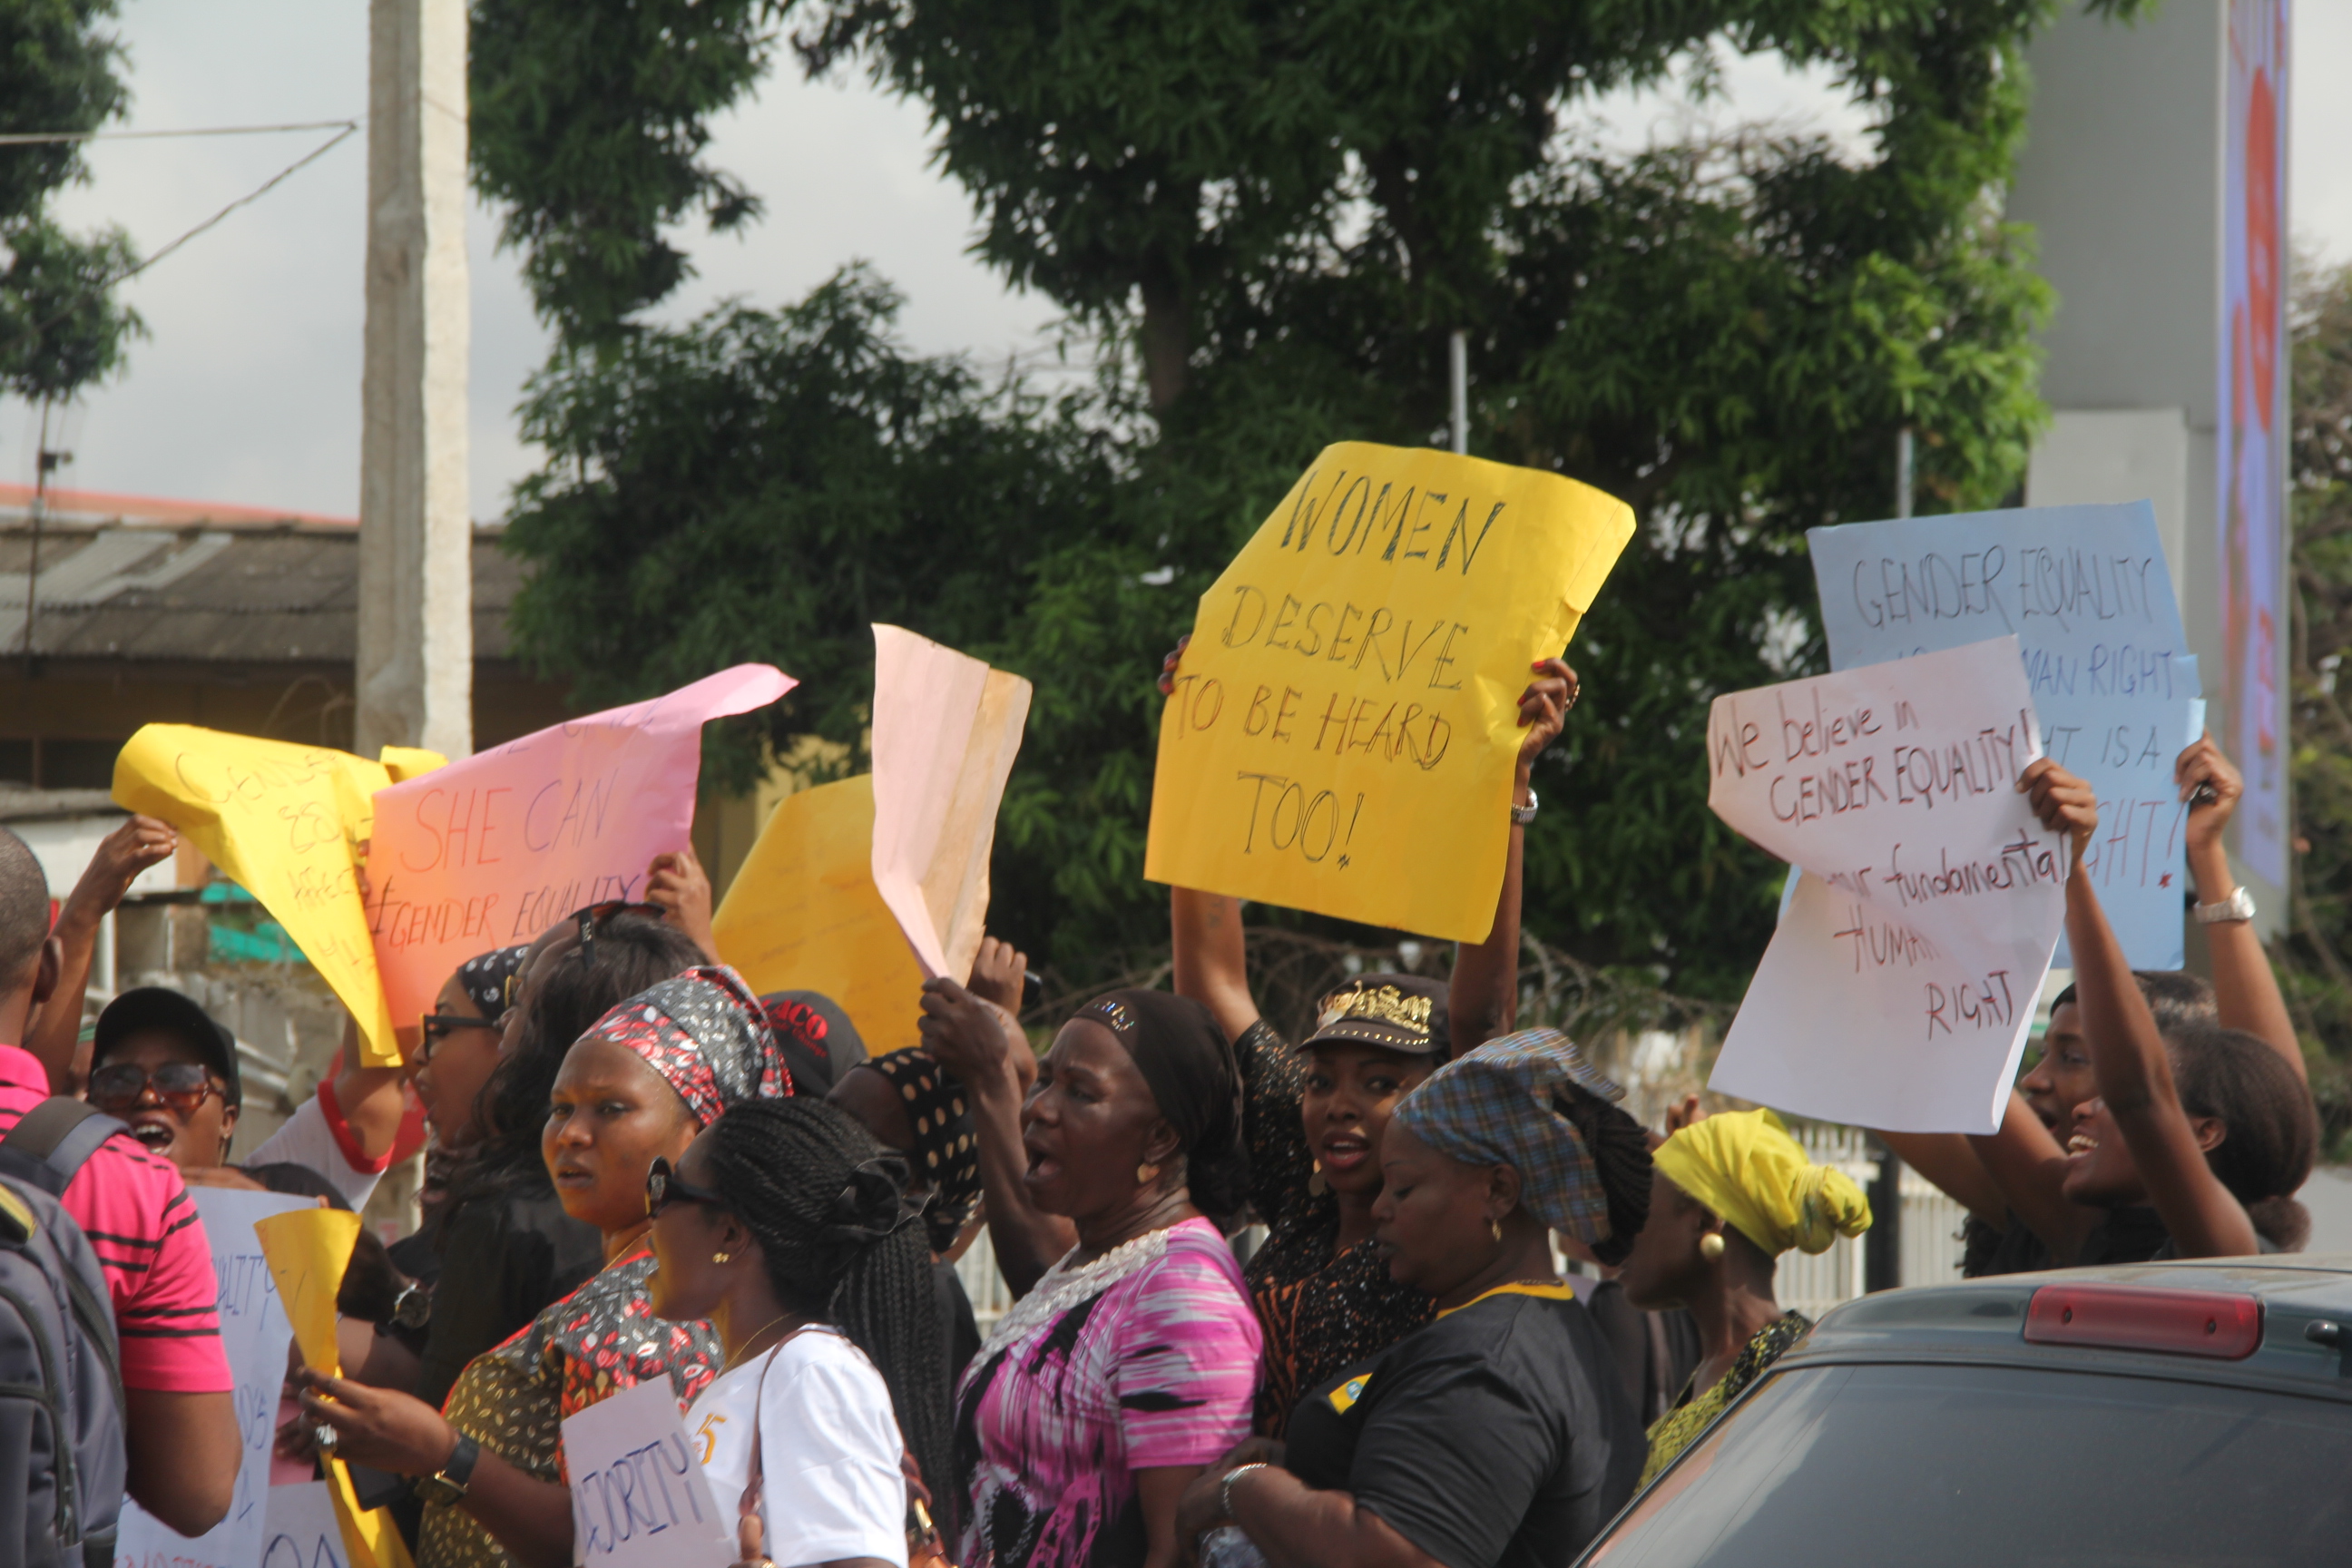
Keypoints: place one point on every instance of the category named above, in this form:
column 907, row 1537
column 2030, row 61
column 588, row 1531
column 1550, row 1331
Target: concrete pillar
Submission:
column 415, row 679
column 2137, row 176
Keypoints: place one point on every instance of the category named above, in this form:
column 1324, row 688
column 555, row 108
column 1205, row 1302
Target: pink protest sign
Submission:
column 498, row 848
column 946, row 729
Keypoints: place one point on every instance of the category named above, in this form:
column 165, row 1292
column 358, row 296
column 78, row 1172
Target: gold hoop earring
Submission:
column 1145, row 1174
column 1710, row 1246
column 721, row 1257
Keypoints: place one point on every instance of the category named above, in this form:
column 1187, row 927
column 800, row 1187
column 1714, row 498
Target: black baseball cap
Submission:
column 1401, row 1013
column 820, row 1044
column 160, row 1007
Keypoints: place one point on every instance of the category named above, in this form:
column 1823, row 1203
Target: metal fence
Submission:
column 1931, row 1230
column 1931, row 1239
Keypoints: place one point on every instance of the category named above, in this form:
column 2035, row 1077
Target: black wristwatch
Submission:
column 449, row 1484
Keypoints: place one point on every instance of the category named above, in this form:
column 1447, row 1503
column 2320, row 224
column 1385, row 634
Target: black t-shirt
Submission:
column 1497, row 1435
column 504, row 1258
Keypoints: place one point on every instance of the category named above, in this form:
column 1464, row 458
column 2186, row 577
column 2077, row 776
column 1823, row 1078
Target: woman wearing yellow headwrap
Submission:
column 1729, row 1193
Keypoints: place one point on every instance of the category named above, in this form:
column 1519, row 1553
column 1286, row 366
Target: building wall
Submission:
column 61, row 729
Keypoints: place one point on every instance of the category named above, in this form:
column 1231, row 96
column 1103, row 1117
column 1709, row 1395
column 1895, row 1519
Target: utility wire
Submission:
column 349, row 127
column 33, row 138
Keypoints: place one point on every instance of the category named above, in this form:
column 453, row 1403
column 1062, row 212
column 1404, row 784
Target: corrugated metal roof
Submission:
column 286, row 592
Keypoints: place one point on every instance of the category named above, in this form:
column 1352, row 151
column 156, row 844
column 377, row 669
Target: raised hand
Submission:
column 1168, row 666
column 2064, row 803
column 678, row 883
column 999, row 970
column 121, row 855
column 1543, row 706
column 2210, row 787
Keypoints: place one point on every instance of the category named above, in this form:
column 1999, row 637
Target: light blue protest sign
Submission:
column 2086, row 592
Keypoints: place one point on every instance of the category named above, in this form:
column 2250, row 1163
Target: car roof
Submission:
column 1984, row 1321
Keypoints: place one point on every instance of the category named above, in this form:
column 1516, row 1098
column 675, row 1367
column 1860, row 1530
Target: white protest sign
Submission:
column 2084, row 591
column 639, row 1499
column 1899, row 987
column 302, row 1531
column 253, row 1333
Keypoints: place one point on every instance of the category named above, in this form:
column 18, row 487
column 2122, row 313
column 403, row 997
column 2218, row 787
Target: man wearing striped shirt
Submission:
column 180, row 1422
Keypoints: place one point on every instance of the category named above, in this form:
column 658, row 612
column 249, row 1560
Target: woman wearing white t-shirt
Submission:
column 787, row 1226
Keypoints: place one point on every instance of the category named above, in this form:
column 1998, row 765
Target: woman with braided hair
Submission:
column 786, row 1226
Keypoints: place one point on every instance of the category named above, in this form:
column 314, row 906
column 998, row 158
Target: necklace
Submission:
column 1063, row 1286
column 749, row 1339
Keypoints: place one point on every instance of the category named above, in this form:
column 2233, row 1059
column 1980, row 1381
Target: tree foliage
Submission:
column 589, row 119
column 1272, row 214
column 2317, row 956
column 61, row 328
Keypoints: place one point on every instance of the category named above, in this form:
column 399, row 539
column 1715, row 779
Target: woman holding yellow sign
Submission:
column 1316, row 1112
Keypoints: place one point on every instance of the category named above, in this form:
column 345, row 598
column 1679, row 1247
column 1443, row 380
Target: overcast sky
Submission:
column 247, row 390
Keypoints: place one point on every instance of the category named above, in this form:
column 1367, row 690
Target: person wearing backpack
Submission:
column 181, row 1435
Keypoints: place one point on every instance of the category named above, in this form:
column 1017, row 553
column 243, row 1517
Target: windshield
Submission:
column 1972, row 1466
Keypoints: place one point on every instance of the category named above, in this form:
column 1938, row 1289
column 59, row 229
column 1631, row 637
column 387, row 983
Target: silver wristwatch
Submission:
column 2238, row 906
column 1523, row 814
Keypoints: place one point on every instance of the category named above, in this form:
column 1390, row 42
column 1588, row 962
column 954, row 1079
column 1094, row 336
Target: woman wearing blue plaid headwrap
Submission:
column 1500, row 1432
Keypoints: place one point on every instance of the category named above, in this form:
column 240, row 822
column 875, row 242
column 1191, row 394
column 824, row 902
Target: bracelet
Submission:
column 1523, row 814
column 1225, row 1491
column 2239, row 906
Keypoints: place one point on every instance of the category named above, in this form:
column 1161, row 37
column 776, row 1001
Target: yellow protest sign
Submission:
column 1342, row 734
column 286, row 822
column 804, row 914
column 308, row 1250
column 370, row 1535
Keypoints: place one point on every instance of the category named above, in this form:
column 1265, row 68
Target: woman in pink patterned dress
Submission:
column 1133, row 1362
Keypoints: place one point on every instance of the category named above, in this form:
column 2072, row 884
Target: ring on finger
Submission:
column 324, row 1437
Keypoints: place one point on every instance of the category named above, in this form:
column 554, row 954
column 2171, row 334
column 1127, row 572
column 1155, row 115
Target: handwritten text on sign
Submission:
column 284, row 823
column 639, row 1498
column 1347, row 712
column 2084, row 591
column 1900, row 985
column 254, row 1332
column 494, row 849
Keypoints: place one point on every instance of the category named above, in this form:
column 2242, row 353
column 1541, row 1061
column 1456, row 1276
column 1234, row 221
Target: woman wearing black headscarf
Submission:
column 1132, row 1364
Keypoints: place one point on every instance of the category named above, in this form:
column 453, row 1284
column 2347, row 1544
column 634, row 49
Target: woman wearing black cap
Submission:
column 1130, row 1365
column 1314, row 1116
column 159, row 1063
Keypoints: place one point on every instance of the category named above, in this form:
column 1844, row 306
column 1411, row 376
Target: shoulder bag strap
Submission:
column 750, row 1524
column 52, row 1141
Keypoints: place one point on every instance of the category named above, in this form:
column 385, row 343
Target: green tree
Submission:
column 2316, row 957
column 764, row 485
column 1272, row 214
column 61, row 328
column 589, row 119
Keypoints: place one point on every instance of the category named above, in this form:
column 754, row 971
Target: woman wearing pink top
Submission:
column 1133, row 1362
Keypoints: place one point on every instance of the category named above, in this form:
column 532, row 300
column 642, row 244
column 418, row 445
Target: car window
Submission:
column 1969, row 1465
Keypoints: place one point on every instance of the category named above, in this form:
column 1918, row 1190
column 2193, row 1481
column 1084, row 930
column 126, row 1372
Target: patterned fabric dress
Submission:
column 1677, row 1429
column 601, row 1339
column 1143, row 1359
column 1319, row 1314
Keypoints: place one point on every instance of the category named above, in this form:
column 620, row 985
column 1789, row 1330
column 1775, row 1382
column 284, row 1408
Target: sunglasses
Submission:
column 121, row 1086
column 439, row 1027
column 665, row 1186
